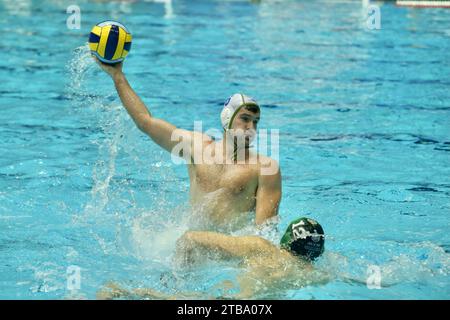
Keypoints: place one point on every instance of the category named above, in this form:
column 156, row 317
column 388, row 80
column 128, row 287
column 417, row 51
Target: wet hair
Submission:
column 252, row 108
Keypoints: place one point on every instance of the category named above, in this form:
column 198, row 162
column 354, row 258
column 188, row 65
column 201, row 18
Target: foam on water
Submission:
column 146, row 235
column 123, row 225
column 150, row 235
column 425, row 263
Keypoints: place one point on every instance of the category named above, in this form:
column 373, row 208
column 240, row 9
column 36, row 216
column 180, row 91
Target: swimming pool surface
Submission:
column 364, row 120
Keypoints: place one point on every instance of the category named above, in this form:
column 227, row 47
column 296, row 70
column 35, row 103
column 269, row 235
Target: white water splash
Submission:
column 148, row 235
column 426, row 263
column 78, row 67
column 154, row 239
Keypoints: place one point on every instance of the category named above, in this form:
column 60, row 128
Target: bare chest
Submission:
column 234, row 178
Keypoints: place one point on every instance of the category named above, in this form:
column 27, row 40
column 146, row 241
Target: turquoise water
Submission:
column 364, row 140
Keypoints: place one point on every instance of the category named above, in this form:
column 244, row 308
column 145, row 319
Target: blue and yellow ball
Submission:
column 110, row 41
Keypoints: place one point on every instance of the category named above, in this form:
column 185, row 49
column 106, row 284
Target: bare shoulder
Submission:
column 201, row 135
column 199, row 142
column 200, row 139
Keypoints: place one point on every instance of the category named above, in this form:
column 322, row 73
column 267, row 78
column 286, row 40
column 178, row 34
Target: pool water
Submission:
column 364, row 141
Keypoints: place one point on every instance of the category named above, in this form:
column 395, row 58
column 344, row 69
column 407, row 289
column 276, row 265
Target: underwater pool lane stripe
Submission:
column 120, row 44
column 103, row 40
column 423, row 4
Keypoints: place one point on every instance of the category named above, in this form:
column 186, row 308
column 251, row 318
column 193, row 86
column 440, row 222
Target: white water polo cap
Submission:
column 232, row 107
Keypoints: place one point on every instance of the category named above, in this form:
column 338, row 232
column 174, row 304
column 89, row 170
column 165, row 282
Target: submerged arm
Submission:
column 114, row 291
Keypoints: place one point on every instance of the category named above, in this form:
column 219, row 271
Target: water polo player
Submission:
column 225, row 190
column 268, row 267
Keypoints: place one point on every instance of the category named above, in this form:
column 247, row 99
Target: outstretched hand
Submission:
column 111, row 69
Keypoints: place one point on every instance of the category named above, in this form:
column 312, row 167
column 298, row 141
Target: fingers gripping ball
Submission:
column 110, row 42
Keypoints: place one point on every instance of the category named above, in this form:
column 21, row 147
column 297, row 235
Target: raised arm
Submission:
column 159, row 130
column 268, row 195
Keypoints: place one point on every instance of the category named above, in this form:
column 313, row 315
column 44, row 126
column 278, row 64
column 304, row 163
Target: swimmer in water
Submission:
column 236, row 181
column 268, row 267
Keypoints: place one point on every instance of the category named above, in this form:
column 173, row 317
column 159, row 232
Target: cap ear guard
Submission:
column 225, row 117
